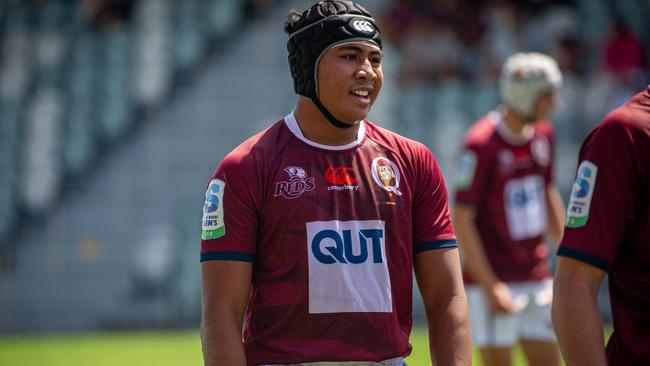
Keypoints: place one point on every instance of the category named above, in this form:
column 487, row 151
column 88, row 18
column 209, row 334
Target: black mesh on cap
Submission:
column 323, row 25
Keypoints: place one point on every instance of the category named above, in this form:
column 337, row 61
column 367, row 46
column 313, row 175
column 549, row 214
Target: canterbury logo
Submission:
column 363, row 26
column 340, row 175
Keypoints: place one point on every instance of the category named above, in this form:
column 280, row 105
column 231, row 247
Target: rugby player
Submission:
column 506, row 203
column 608, row 232
column 312, row 228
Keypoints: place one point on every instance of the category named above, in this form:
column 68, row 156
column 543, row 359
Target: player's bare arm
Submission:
column 555, row 214
column 439, row 278
column 476, row 261
column 224, row 288
column 576, row 317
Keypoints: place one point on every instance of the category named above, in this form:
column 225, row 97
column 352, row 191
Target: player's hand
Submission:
column 500, row 299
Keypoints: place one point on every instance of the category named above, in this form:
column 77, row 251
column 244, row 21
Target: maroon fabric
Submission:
column 265, row 215
column 499, row 194
column 616, row 236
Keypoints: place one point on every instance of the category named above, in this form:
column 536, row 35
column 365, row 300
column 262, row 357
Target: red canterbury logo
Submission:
column 340, row 175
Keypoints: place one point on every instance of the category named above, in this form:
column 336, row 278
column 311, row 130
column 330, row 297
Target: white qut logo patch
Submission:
column 348, row 271
column 525, row 205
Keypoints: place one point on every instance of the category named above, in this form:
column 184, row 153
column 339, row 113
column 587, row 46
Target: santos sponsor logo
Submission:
column 348, row 269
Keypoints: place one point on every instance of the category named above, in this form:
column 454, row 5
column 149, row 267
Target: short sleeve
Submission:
column 603, row 196
column 431, row 216
column 230, row 219
column 472, row 175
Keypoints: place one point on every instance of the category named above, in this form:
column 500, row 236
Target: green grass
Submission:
column 142, row 348
column 420, row 354
column 103, row 349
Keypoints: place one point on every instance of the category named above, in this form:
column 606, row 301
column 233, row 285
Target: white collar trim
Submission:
column 502, row 129
column 292, row 124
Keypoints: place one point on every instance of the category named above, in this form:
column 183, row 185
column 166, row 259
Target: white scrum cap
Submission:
column 525, row 77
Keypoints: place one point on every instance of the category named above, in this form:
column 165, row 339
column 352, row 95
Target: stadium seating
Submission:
column 77, row 89
column 73, row 83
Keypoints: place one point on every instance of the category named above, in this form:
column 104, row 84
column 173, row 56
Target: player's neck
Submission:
column 514, row 122
column 316, row 128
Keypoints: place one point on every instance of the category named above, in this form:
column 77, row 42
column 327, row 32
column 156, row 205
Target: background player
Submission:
column 608, row 232
column 312, row 228
column 506, row 203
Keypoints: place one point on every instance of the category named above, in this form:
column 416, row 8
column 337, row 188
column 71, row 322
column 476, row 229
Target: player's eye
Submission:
column 351, row 57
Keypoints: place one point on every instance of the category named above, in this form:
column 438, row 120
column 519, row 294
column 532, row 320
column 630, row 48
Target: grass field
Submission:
column 137, row 349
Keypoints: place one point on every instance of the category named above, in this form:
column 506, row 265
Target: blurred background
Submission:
column 115, row 113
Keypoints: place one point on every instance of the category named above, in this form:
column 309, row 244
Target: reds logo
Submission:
column 298, row 183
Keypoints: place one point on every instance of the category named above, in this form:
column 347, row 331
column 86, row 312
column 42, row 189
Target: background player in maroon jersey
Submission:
column 312, row 228
column 608, row 232
column 506, row 202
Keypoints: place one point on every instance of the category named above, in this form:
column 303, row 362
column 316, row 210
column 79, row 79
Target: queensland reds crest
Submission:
column 541, row 150
column 298, row 183
column 386, row 175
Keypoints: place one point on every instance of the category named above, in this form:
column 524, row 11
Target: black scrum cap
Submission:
column 321, row 27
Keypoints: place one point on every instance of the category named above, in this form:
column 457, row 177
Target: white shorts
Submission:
column 531, row 322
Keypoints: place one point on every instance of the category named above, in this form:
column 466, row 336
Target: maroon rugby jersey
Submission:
column 505, row 178
column 608, row 222
column 331, row 233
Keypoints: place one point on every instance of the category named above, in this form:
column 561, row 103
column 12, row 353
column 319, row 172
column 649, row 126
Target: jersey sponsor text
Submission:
column 348, row 270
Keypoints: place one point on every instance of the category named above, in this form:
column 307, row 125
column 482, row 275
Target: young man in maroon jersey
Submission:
column 506, row 203
column 313, row 227
column 608, row 232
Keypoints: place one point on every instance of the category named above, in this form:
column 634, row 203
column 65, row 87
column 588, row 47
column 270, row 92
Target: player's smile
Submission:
column 362, row 93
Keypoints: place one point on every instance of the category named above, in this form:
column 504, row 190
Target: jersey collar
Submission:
column 292, row 124
column 505, row 133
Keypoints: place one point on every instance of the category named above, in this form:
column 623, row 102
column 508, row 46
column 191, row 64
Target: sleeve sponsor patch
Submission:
column 465, row 169
column 578, row 208
column 212, row 225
